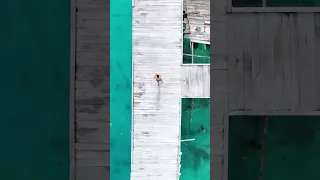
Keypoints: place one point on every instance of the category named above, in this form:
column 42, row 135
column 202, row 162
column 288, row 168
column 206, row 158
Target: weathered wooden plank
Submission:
column 101, row 147
column 92, row 108
column 153, row 170
column 93, row 170
column 219, row 103
column 92, row 2
column 216, row 119
column 139, row 23
column 97, row 24
column 99, row 39
column 226, row 118
column 274, row 113
column 90, row 132
column 311, row 61
column 198, row 8
column 92, row 135
column 306, row 61
column 72, row 116
column 219, row 46
column 92, row 92
column 246, row 20
column 87, row 30
column 217, row 129
column 92, row 47
column 82, row 176
column 91, row 124
column 216, row 167
column 87, row 138
column 92, row 162
column 92, row 8
column 160, row 3
column 92, row 89
column 217, row 152
column 82, row 100
column 218, row 7
column 218, row 36
column 219, row 62
column 88, row 73
column 317, row 58
column 294, row 37
column 218, row 30
column 278, row 63
column 98, row 15
column 155, row 10
column 195, row 81
column 286, row 59
column 93, row 59
column 218, row 4
column 165, row 156
column 235, row 64
column 218, row 18
column 93, row 117
column 255, row 62
column 219, row 80
column 92, row 154
column 97, row 95
column 266, row 63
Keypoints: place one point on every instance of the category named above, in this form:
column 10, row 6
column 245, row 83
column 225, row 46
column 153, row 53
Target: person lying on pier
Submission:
column 158, row 78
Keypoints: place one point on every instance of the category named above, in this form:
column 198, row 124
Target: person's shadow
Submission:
column 158, row 98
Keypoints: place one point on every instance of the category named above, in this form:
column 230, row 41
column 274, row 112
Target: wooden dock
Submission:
column 157, row 48
column 90, row 148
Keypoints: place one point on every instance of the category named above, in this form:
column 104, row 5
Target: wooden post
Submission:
column 263, row 145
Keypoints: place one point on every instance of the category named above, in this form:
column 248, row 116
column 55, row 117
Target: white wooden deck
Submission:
column 195, row 81
column 157, row 48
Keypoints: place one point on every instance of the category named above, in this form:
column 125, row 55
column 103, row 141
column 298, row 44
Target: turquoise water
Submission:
column 195, row 159
column 120, row 88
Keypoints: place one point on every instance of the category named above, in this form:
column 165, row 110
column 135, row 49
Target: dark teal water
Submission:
column 120, row 88
column 34, row 90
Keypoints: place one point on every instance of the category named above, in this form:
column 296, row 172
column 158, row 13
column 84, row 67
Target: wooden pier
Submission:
column 157, row 48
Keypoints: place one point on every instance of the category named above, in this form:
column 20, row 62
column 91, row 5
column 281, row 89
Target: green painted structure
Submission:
column 34, row 91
